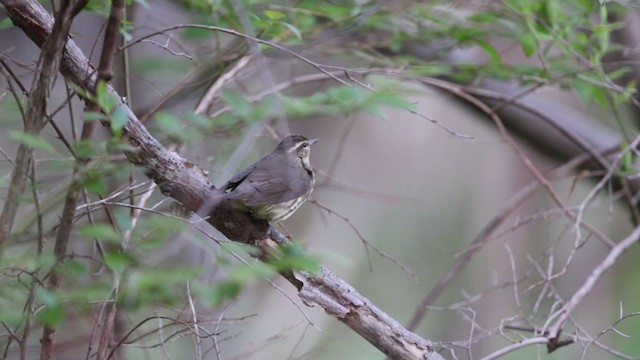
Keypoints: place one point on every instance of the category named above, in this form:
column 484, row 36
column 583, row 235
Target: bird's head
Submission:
column 298, row 146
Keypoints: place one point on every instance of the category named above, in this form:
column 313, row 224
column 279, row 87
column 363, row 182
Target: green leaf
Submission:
column 173, row 127
column 293, row 29
column 101, row 232
column 627, row 158
column 199, row 121
column 484, row 17
column 431, row 69
column 387, row 97
column 46, row 260
column 119, row 119
column 45, row 297
column 94, row 116
column 86, row 148
column 75, row 267
column 11, row 317
column 494, row 55
column 6, row 23
column 222, row 291
column 237, row 102
column 117, row 261
column 274, row 15
column 94, row 184
column 149, row 285
column 529, row 44
column 126, row 35
column 104, row 99
column 590, row 92
column 168, row 123
column 51, row 315
column 375, row 110
column 123, row 219
column 32, row 141
column 294, row 257
column 100, row 7
column 251, row 271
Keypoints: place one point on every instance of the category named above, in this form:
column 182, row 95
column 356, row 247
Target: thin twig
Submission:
column 318, row 66
column 564, row 313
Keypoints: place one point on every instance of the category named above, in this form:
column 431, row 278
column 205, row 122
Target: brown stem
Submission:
column 71, row 199
column 34, row 120
column 52, row 47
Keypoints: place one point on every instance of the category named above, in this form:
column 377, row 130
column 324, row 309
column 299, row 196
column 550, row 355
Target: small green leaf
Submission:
column 123, row 219
column 51, row 315
column 100, row 7
column 168, row 123
column 244, row 274
column 32, row 141
column 86, row 148
column 494, row 55
column 375, row 110
column 104, row 99
column 94, row 184
column 94, row 116
column 293, row 29
column 387, row 97
column 294, row 257
column 431, row 69
column 199, row 120
column 119, row 119
column 116, row 261
column 529, row 44
column 627, row 158
column 75, row 267
column 484, row 17
column 237, row 102
column 45, row 297
column 6, row 23
column 222, row 291
column 126, row 35
column 11, row 317
column 101, row 232
column 274, row 15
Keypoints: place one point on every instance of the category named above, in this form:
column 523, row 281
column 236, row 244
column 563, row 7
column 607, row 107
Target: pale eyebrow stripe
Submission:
column 297, row 147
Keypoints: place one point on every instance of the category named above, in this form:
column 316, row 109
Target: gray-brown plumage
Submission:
column 273, row 188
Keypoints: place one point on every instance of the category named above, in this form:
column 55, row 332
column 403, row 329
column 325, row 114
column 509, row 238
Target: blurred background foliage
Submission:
column 404, row 165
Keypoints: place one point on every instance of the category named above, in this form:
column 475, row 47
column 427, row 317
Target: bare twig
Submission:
column 483, row 237
column 513, row 347
column 320, row 67
column 455, row 89
column 564, row 313
column 367, row 244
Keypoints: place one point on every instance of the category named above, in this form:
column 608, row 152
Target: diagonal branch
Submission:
column 187, row 183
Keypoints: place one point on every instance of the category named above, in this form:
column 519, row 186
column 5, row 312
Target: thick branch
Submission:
column 187, row 183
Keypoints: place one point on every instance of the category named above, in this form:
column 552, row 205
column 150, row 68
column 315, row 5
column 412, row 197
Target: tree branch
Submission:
column 187, row 183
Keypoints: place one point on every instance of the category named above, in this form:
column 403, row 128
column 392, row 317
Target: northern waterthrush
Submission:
column 273, row 188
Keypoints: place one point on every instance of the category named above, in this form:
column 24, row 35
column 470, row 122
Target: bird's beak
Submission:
column 313, row 141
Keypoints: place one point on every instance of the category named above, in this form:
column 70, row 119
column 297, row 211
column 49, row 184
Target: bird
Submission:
column 274, row 187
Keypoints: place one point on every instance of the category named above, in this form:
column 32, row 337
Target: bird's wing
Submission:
column 268, row 187
column 236, row 180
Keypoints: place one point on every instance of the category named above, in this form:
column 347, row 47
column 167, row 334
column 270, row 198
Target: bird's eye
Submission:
column 305, row 145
